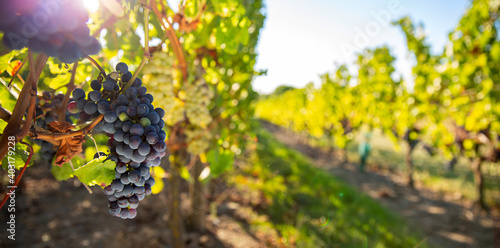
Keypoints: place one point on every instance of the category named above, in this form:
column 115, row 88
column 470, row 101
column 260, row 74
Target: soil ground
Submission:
column 63, row 214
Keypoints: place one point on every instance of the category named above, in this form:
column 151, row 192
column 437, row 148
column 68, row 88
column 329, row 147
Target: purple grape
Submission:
column 122, row 68
column 141, row 91
column 134, row 176
column 121, row 109
column 132, row 213
column 78, row 94
column 136, row 157
column 154, row 117
column 160, row 146
column 126, row 126
column 136, row 129
column 126, row 77
column 108, row 85
column 122, row 99
column 152, row 138
column 95, row 95
column 131, row 93
column 95, row 85
column 134, row 142
column 139, row 190
column 134, row 102
column 80, row 104
column 150, row 182
column 150, row 97
column 131, row 112
column 117, row 185
column 109, row 128
column 160, row 112
column 144, row 149
column 102, row 107
column 121, row 167
column 142, row 110
column 134, row 165
column 110, row 117
column 108, row 190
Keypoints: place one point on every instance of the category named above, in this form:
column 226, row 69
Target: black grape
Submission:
column 78, row 94
column 122, row 67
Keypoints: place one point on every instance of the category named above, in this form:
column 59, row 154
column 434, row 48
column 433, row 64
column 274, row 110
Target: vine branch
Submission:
column 61, row 115
column 146, row 55
column 55, row 137
column 97, row 65
column 16, row 119
column 172, row 36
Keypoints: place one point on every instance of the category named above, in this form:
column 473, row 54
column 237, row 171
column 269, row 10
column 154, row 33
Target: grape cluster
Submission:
column 57, row 28
column 46, row 106
column 137, row 141
column 192, row 100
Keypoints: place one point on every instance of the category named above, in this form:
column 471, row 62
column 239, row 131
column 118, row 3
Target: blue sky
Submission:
column 303, row 39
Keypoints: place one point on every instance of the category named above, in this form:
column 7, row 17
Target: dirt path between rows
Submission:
column 445, row 223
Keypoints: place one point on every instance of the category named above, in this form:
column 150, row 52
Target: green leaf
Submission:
column 185, row 174
column 220, row 161
column 97, row 171
column 16, row 155
column 65, row 172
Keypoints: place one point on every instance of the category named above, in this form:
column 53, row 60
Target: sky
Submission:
column 304, row 39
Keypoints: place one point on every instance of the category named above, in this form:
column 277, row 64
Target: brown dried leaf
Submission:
column 70, row 147
column 60, row 126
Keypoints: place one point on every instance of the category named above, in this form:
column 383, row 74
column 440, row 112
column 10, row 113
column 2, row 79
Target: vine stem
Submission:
column 146, row 55
column 59, row 136
column 97, row 65
column 4, row 114
column 70, row 87
column 16, row 119
column 6, row 197
column 172, row 36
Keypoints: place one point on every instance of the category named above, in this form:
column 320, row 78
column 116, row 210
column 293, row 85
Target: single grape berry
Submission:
column 95, row 85
column 131, row 93
column 72, row 108
column 126, row 77
column 122, row 67
column 145, row 122
column 78, row 94
column 95, row 95
column 142, row 110
column 152, row 138
column 144, row 149
column 90, row 108
column 136, row 129
column 110, row 117
column 108, row 85
column 160, row 112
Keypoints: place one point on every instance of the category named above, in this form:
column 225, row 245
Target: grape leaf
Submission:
column 17, row 158
column 97, row 171
column 7, row 100
column 220, row 161
column 69, row 147
column 65, row 171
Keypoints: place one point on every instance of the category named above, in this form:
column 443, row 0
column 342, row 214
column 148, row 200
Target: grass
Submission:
column 312, row 208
